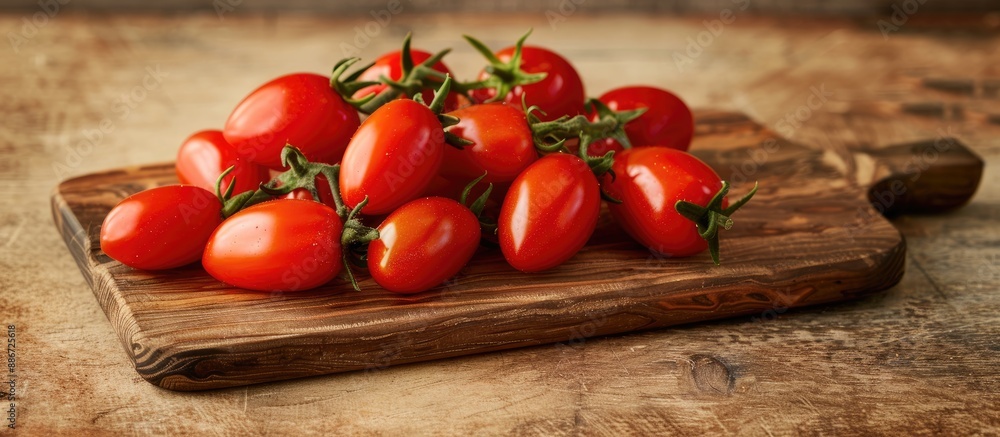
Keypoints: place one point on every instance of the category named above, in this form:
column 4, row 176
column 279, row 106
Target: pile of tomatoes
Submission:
column 399, row 169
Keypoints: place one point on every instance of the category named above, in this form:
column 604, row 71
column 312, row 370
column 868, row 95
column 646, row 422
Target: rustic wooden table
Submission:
column 920, row 358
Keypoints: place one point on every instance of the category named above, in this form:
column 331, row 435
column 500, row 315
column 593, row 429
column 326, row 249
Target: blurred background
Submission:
column 91, row 86
column 817, row 7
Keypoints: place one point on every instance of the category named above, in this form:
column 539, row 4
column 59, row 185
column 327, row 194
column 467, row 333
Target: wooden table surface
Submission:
column 921, row 358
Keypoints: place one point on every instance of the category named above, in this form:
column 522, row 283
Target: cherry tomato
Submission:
column 281, row 245
column 422, row 244
column 298, row 109
column 549, row 213
column 161, row 228
column 391, row 65
column 206, row 154
column 502, row 144
column 393, row 157
column 666, row 122
column 559, row 93
column 649, row 182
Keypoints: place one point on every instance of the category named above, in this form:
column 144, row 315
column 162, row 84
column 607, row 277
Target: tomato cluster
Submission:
column 400, row 169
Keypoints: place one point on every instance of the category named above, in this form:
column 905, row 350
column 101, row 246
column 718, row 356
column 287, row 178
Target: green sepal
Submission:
column 416, row 77
column 502, row 76
column 617, row 120
column 350, row 85
column 486, row 224
column 354, row 241
column 711, row 217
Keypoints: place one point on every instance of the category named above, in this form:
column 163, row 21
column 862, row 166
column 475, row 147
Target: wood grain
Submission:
column 808, row 237
column 917, row 359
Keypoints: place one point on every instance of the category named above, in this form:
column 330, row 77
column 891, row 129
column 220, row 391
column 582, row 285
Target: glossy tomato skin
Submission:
column 161, row 228
column 391, row 65
column 422, row 244
column 549, row 213
column 281, row 245
column 560, row 93
column 502, row 144
column 667, row 121
column 298, row 109
column 393, row 157
column 206, row 154
column 649, row 182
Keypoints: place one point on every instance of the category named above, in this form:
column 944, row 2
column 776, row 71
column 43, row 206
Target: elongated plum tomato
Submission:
column 667, row 121
column 161, row 228
column 298, row 109
column 502, row 144
column 280, row 245
column 393, row 157
column 559, row 93
column 206, row 154
column 391, row 65
column 649, row 182
column 549, row 213
column 422, row 244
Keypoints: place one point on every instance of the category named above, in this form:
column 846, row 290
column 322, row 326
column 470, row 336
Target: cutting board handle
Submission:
column 930, row 176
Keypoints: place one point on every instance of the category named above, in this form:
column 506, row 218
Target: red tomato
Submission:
column 204, row 156
column 282, row 245
column 649, row 182
column 666, row 122
column 298, row 109
column 161, row 228
column 560, row 93
column 391, row 65
column 502, row 144
column 393, row 157
column 549, row 213
column 422, row 244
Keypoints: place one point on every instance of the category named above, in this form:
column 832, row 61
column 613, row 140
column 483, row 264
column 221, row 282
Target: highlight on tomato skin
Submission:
column 204, row 156
column 549, row 213
column 397, row 162
column 649, row 181
column 393, row 157
column 422, row 244
column 502, row 144
column 667, row 121
column 299, row 109
column 161, row 228
column 279, row 246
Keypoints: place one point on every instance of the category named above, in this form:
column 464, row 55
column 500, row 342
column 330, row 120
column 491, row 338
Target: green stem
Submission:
column 415, row 79
column 711, row 217
column 549, row 136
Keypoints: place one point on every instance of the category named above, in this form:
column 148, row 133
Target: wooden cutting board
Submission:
column 810, row 236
